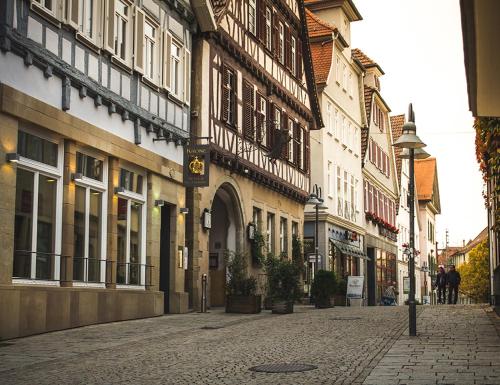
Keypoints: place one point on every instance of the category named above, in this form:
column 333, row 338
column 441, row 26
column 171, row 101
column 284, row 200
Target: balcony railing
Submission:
column 77, row 269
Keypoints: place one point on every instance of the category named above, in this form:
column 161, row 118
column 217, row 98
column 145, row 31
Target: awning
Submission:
column 347, row 249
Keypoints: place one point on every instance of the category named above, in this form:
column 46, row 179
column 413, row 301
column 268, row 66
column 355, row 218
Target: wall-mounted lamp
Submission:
column 206, row 219
column 159, row 203
column 184, row 210
column 13, row 157
column 77, row 176
column 119, row 190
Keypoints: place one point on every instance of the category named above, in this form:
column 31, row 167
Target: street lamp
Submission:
column 410, row 141
column 316, row 199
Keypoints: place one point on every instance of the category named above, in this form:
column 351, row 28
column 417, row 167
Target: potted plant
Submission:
column 323, row 288
column 340, row 294
column 240, row 288
column 283, row 284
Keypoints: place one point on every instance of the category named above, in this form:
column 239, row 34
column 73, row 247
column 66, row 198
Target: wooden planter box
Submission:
column 243, row 304
column 282, row 307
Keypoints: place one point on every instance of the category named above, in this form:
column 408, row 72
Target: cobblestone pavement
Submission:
column 346, row 344
column 454, row 345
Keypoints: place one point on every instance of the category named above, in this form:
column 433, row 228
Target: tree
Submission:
column 475, row 274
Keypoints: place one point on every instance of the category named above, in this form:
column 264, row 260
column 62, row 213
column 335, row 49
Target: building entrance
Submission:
column 225, row 236
column 165, row 256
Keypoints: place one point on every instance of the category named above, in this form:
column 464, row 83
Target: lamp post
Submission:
column 410, row 141
column 315, row 198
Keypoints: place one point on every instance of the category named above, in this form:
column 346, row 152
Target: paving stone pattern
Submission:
column 454, row 345
column 348, row 345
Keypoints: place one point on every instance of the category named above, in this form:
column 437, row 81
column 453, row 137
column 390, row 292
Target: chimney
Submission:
column 463, row 242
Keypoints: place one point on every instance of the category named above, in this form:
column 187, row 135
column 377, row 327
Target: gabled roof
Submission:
column 365, row 131
column 365, row 61
column 322, row 60
column 476, row 241
column 397, row 122
column 318, row 27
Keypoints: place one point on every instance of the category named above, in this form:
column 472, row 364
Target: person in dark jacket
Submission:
column 440, row 285
column 453, row 280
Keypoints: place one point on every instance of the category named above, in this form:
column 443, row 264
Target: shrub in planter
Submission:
column 283, row 283
column 257, row 246
column 240, row 288
column 341, row 292
column 323, row 288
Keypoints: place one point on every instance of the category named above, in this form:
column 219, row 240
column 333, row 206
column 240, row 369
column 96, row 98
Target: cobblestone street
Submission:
column 456, row 345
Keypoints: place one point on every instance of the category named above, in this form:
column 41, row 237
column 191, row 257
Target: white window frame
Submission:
column 252, row 14
column 344, row 77
column 57, row 173
column 291, row 126
column 350, row 85
column 40, row 5
column 118, row 16
column 329, row 118
column 133, row 197
column 176, row 81
column 281, row 37
column 337, row 69
column 283, row 235
column 83, row 28
column 270, row 232
column 330, row 178
column 150, row 68
column 293, row 54
column 88, row 184
column 337, row 124
column 269, row 28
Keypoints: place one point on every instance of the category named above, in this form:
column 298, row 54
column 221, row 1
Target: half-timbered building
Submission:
column 94, row 110
column 380, row 184
column 254, row 102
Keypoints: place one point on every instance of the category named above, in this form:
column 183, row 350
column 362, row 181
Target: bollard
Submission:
column 204, row 293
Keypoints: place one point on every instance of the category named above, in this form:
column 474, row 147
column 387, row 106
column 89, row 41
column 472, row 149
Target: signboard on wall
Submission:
column 355, row 286
column 196, row 165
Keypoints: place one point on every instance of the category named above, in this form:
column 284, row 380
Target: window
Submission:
column 329, row 118
column 365, row 188
column 261, row 119
column 337, row 69
column 291, row 146
column 297, row 132
column 344, row 128
column 281, row 43
column 269, row 33
column 295, row 229
column 131, row 219
column 149, row 50
column 270, row 233
column 89, row 166
column 257, row 217
column 46, row 5
column 344, row 76
column 37, row 221
column 283, row 237
column 339, row 192
column 336, row 128
column 349, row 85
column 252, row 26
column 330, row 180
column 175, row 68
column 229, row 96
column 353, row 199
column 86, row 18
column 293, row 55
column 346, row 196
column 121, row 28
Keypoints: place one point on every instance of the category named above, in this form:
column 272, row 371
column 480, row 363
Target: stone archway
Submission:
column 226, row 234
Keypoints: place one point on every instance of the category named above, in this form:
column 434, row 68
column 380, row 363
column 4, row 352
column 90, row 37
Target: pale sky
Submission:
column 418, row 44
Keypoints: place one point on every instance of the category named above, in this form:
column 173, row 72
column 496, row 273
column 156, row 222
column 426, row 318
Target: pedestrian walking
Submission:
column 389, row 297
column 440, row 285
column 453, row 280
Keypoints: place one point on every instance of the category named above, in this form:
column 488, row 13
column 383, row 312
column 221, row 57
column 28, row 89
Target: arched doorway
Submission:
column 226, row 235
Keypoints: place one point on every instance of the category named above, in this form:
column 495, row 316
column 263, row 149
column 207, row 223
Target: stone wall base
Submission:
column 34, row 309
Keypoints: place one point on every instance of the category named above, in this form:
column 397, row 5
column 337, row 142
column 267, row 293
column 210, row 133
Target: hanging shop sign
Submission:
column 196, row 165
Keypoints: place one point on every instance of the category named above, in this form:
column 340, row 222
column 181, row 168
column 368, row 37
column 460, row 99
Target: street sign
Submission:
column 355, row 286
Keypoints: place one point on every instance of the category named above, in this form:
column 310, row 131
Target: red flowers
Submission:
column 381, row 222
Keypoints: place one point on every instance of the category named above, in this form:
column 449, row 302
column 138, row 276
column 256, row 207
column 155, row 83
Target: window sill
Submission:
column 130, row 287
column 121, row 64
column 29, row 281
column 48, row 15
column 150, row 83
column 88, row 42
column 93, row 285
column 174, row 98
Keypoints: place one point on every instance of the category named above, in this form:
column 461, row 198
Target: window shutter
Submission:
column 284, row 128
column 384, row 165
column 73, row 13
column 139, row 40
column 225, row 94
column 261, row 20
column 270, row 124
column 233, row 95
column 187, row 76
column 248, row 111
column 259, row 129
column 167, row 46
column 296, row 144
column 109, row 27
column 307, row 155
column 299, row 59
